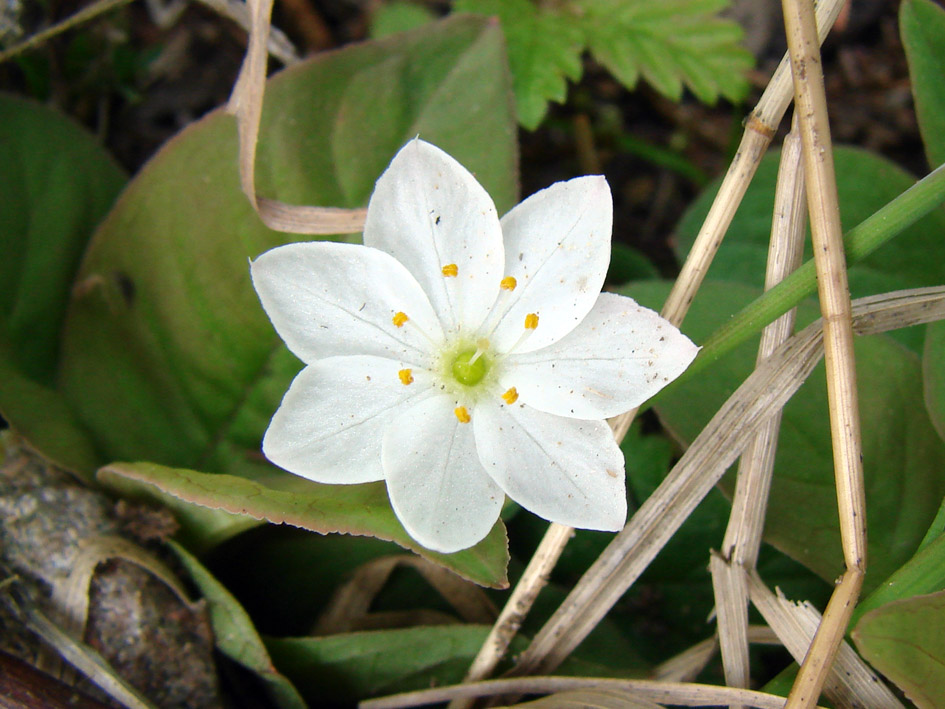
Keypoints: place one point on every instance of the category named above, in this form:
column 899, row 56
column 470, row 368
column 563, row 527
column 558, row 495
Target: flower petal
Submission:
column 429, row 213
column 557, row 247
column 563, row 470
column 330, row 423
column 618, row 357
column 437, row 487
column 328, row 299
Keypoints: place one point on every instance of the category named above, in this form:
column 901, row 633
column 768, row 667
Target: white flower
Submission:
column 461, row 358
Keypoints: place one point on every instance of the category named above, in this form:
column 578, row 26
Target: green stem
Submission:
column 859, row 242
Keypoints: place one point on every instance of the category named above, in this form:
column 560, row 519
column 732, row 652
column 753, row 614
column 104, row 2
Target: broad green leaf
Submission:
column 865, row 182
column 922, row 25
column 57, row 183
column 903, row 456
column 904, row 641
column 47, row 216
column 596, row 698
column 933, row 372
column 235, row 635
column 350, row 666
column 350, row 509
column 670, row 44
column 544, row 44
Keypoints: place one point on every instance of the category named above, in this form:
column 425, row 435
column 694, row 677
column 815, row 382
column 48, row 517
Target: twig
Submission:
column 811, row 103
column 676, row 693
column 753, row 483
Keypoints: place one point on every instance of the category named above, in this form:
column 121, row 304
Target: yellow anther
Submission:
column 511, row 396
column 450, row 270
column 406, row 376
column 461, row 414
column 508, row 283
column 531, row 321
column 399, row 319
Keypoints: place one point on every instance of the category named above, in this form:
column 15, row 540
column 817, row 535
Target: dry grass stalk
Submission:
column 675, row 693
column 760, row 128
column 746, row 523
column 827, row 234
column 246, row 104
column 851, row 682
column 762, row 394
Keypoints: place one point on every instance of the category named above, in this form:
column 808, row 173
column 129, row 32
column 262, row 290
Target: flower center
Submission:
column 469, row 367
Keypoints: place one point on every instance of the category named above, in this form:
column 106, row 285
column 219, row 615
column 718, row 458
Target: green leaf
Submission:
column 933, row 373
column 544, row 45
column 903, row 457
column 922, row 25
column 350, row 509
column 57, row 183
column 865, row 182
column 904, row 641
column 671, row 44
column 235, row 635
column 350, row 666
column 47, row 216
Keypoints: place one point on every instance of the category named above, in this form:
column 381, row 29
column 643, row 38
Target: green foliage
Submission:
column 904, row 641
column 675, row 44
column 903, row 456
column 922, row 25
column 165, row 355
column 393, row 17
column 933, row 371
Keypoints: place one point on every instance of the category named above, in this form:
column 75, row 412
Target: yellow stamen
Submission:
column 406, row 376
column 461, row 414
column 511, row 396
column 450, row 270
column 508, row 283
column 399, row 319
column 531, row 321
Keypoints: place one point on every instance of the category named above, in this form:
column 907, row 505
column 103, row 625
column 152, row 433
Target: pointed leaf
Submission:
column 350, row 509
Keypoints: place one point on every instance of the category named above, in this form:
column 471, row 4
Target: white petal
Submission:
column 618, row 357
column 437, row 487
column 328, row 299
column 330, row 423
column 428, row 212
column 563, row 470
column 557, row 247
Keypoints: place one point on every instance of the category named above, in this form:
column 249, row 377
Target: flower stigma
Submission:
column 470, row 367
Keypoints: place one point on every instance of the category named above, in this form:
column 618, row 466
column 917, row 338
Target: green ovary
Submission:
column 467, row 371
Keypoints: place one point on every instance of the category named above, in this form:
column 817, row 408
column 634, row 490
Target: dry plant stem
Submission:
column 246, row 104
column 746, row 522
column 675, row 693
column 827, row 235
column 852, row 683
